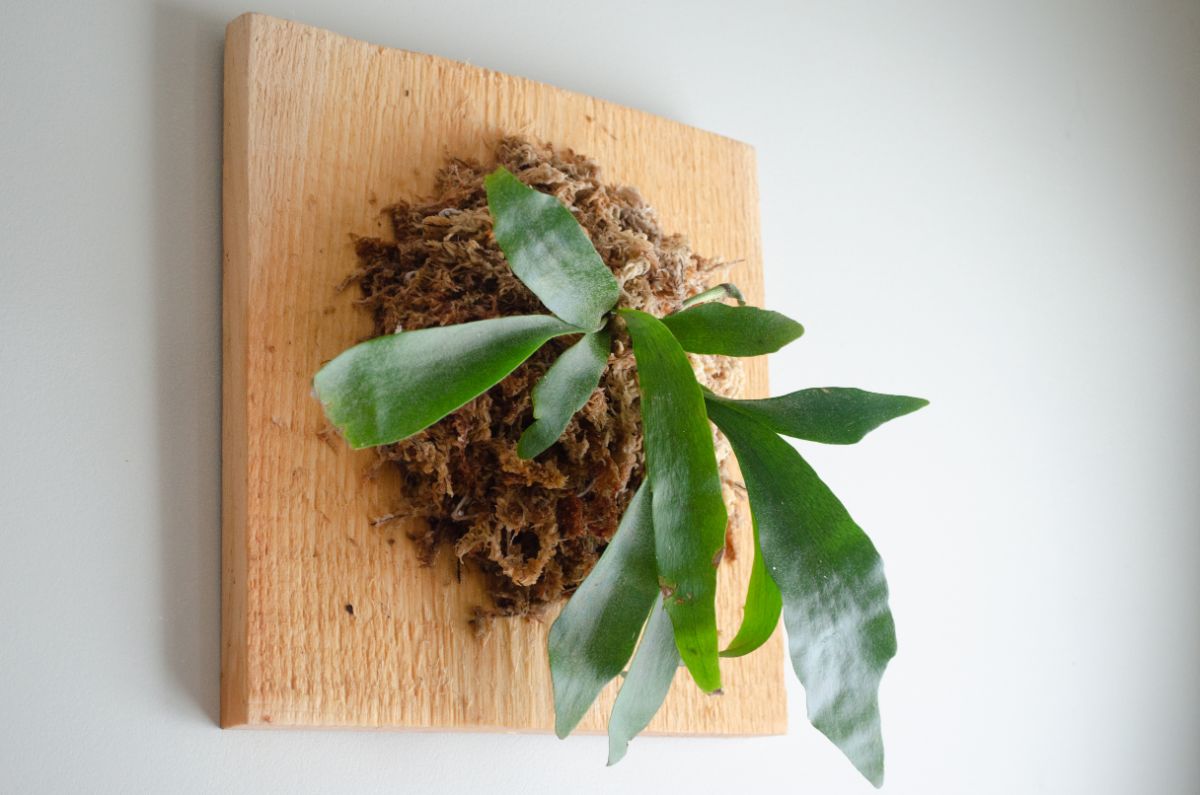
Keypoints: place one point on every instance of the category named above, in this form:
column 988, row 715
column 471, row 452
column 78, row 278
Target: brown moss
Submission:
column 534, row 528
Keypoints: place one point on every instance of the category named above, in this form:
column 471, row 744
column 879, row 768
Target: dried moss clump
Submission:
column 534, row 528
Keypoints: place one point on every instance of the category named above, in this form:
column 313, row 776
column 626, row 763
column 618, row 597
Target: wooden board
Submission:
column 320, row 133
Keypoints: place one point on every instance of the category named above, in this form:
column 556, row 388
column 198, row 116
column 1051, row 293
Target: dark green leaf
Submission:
column 563, row 390
column 549, row 251
column 717, row 293
column 594, row 635
column 831, row 415
column 689, row 512
column 835, row 598
column 732, row 330
column 388, row 388
column 646, row 686
column 763, row 605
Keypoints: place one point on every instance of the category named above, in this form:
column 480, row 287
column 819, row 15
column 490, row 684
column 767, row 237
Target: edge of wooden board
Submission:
column 235, row 696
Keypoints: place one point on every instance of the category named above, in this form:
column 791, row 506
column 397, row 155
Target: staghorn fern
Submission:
column 657, row 578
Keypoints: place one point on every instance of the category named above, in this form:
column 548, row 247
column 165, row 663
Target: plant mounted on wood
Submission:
column 656, row 580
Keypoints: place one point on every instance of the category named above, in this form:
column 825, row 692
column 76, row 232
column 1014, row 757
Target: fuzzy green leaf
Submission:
column 689, row 512
column 550, row 252
column 563, row 390
column 732, row 330
column 646, row 686
column 594, row 635
column 835, row 597
column 830, row 415
column 763, row 605
column 388, row 388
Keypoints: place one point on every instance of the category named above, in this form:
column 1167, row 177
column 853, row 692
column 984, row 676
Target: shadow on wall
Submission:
column 186, row 98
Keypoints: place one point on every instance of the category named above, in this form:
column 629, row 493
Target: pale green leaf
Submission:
column 831, row 415
column 594, row 635
column 835, row 597
column 721, row 291
column 646, row 686
column 563, row 390
column 763, row 605
column 689, row 511
column 732, row 330
column 388, row 388
column 550, row 252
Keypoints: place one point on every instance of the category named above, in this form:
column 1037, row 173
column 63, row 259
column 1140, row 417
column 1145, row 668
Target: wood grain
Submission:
column 327, row 620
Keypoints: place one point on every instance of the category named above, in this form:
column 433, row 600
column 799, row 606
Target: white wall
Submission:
column 994, row 205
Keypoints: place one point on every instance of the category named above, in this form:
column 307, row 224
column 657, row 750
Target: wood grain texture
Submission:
column 327, row 620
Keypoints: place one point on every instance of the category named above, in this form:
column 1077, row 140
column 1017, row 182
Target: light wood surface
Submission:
column 321, row 132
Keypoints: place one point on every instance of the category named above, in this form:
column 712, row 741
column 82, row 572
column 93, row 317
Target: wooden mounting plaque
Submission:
column 326, row 619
